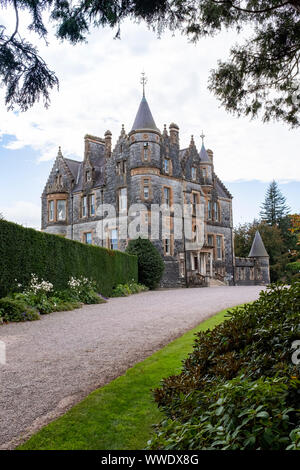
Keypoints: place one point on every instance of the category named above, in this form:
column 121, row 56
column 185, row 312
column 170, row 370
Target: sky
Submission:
column 100, row 89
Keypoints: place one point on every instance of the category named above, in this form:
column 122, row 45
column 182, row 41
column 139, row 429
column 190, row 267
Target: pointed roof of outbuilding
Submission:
column 144, row 118
column 258, row 247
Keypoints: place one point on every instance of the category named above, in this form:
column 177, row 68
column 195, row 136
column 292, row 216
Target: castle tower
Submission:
column 144, row 155
column 261, row 260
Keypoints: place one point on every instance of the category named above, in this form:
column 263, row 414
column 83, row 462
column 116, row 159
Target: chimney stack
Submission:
column 174, row 133
column 107, row 138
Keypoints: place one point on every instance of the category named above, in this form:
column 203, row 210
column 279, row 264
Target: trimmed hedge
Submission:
column 24, row 251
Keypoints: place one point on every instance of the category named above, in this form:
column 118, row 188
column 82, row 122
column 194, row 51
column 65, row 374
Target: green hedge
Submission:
column 24, row 251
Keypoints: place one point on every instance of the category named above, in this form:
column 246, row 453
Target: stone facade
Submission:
column 148, row 167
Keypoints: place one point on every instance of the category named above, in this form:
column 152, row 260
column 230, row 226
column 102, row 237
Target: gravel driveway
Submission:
column 55, row 362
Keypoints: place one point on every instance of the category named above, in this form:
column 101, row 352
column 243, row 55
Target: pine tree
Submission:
column 274, row 209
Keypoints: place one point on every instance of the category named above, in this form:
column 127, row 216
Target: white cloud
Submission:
column 99, row 90
column 24, row 213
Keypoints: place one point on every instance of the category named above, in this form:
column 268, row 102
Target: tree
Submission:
column 274, row 209
column 259, row 77
column 150, row 263
column 280, row 245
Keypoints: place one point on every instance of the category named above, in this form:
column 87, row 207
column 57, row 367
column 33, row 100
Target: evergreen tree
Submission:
column 260, row 76
column 274, row 209
column 150, row 262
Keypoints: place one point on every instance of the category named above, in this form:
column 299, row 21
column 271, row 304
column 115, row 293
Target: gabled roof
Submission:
column 258, row 247
column 144, row 118
column 74, row 166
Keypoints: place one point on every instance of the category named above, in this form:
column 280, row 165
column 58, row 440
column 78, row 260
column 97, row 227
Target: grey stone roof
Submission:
column 144, row 118
column 258, row 247
column 221, row 188
column 74, row 166
column 203, row 154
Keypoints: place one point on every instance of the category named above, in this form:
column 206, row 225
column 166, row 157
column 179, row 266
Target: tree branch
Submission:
column 17, row 24
column 246, row 10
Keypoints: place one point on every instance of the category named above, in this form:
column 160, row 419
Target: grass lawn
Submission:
column 121, row 414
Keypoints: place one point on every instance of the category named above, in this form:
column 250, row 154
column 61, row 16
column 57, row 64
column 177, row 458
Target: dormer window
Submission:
column 88, row 176
column 194, row 173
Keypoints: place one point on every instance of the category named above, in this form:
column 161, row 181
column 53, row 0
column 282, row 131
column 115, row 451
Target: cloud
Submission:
column 100, row 90
column 23, row 213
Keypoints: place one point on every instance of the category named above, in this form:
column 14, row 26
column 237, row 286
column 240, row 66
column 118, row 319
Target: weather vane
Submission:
column 143, row 82
column 202, row 137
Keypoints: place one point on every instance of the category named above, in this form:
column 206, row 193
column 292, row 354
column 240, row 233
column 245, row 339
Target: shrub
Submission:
column 239, row 388
column 150, row 262
column 16, row 310
column 24, row 251
column 123, row 290
column 84, row 290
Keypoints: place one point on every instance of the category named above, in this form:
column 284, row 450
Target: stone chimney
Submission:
column 107, row 139
column 174, row 133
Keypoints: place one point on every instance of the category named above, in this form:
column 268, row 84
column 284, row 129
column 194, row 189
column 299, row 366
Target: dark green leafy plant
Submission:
column 239, row 388
column 150, row 262
column 123, row 290
column 16, row 310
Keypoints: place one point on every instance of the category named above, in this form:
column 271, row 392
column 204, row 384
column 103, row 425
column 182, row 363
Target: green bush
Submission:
column 123, row 290
column 24, row 251
column 150, row 262
column 16, row 310
column 239, row 388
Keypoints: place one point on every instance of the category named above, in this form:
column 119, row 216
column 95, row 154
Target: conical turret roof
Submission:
column 258, row 247
column 203, row 154
column 144, row 118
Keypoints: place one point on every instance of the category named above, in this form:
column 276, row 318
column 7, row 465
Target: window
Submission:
column 204, row 173
column 181, row 268
column 118, row 168
column 216, row 211
column 84, row 209
column 209, row 211
column 92, row 204
column 167, row 196
column 114, row 239
column 194, row 173
column 219, row 247
column 61, row 210
column 210, row 240
column 123, row 199
column 51, row 211
column 88, row 176
column 146, row 189
column 194, row 202
column 88, row 238
column 124, row 166
column 146, row 152
column 167, row 246
column 167, row 165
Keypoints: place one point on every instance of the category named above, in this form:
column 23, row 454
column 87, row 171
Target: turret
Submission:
column 144, row 139
column 261, row 259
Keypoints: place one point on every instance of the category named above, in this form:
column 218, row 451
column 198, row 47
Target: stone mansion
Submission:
column 147, row 166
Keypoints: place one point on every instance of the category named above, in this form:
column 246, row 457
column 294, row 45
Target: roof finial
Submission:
column 59, row 154
column 202, row 137
column 143, row 82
